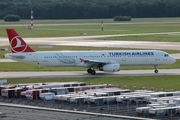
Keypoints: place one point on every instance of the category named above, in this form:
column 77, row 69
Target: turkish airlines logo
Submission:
column 81, row 60
column 18, row 45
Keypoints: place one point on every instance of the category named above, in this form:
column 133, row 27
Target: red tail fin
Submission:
column 17, row 44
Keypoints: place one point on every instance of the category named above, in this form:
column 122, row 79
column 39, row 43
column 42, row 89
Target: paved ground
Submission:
column 23, row 112
column 33, row 114
column 87, row 41
column 56, row 74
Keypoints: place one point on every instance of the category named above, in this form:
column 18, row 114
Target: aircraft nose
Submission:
column 173, row 60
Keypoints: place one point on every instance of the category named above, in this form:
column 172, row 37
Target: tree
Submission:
column 86, row 9
column 122, row 18
column 9, row 18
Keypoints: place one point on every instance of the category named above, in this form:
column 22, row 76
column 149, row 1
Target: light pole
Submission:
column 88, row 101
column 162, row 89
column 108, row 101
column 143, row 88
column 152, row 88
column 79, row 99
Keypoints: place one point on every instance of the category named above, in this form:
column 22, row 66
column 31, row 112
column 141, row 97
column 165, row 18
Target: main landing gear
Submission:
column 156, row 70
column 90, row 71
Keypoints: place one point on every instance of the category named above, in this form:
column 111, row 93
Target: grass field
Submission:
column 72, row 21
column 59, row 28
column 77, row 30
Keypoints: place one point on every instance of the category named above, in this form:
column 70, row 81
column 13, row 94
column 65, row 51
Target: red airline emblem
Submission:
column 81, row 60
column 17, row 45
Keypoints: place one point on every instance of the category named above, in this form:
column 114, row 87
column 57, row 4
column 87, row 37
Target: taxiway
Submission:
column 91, row 41
column 73, row 74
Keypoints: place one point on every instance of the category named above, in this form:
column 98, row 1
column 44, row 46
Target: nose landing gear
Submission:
column 156, row 70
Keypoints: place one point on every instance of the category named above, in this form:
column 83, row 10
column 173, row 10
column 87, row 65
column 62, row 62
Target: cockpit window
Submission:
column 166, row 55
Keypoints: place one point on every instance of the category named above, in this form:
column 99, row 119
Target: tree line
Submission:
column 89, row 9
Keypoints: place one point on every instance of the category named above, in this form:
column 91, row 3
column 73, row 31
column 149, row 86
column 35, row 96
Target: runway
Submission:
column 91, row 41
column 73, row 74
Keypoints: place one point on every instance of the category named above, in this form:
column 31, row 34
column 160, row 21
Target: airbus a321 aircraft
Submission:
column 107, row 61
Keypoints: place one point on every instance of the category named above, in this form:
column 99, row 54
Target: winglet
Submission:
column 17, row 44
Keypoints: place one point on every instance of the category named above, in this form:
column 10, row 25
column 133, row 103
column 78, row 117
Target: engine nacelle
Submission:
column 115, row 67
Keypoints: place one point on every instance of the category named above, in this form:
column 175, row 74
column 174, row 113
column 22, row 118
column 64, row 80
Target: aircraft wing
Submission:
column 94, row 63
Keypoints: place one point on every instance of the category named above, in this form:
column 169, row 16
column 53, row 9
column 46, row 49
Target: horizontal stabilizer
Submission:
column 16, row 56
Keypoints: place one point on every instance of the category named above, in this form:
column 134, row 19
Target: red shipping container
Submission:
column 18, row 92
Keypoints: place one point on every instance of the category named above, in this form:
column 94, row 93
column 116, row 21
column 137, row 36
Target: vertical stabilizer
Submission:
column 17, row 44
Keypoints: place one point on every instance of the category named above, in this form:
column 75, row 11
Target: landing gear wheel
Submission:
column 93, row 72
column 156, row 71
column 89, row 70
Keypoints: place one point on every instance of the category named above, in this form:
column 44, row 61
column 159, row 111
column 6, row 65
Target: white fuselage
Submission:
column 76, row 58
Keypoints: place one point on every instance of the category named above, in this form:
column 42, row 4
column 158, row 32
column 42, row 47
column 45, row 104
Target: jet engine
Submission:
column 115, row 67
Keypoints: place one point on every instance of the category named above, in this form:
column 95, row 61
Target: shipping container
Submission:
column 23, row 94
column 59, row 91
column 60, row 84
column 1, row 87
column 78, row 99
column 9, row 93
column 89, row 87
column 97, row 100
column 9, row 87
column 18, row 92
column 164, row 111
column 47, row 96
column 32, row 94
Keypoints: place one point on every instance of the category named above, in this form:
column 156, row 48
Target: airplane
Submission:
column 103, row 60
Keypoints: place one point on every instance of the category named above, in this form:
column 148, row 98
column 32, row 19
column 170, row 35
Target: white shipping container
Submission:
column 157, row 112
column 47, row 96
column 97, row 100
column 79, row 99
column 57, row 97
column 142, row 110
column 164, row 110
column 110, row 99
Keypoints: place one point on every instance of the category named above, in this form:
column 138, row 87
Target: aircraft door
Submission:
column 123, row 58
column 35, row 58
column 157, row 56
